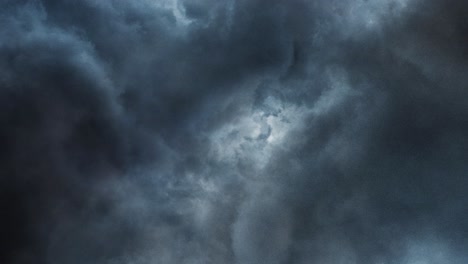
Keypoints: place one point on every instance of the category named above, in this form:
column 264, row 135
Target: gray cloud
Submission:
column 233, row 131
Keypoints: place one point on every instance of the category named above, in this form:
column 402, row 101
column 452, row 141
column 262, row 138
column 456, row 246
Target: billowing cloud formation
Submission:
column 237, row 131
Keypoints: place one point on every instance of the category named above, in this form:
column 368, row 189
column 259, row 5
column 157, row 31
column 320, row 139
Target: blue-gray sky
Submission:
column 233, row 131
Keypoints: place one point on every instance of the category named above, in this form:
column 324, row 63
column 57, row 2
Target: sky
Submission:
column 233, row 132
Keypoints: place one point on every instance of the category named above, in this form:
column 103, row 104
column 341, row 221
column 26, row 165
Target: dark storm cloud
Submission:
column 384, row 171
column 233, row 131
column 90, row 92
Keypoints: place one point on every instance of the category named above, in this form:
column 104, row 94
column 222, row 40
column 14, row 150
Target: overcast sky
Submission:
column 233, row 132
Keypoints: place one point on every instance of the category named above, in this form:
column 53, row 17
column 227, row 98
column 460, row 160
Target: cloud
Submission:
column 233, row 132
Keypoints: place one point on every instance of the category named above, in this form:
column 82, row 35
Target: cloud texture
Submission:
column 233, row 132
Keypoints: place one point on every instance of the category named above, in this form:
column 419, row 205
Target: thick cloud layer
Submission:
column 236, row 131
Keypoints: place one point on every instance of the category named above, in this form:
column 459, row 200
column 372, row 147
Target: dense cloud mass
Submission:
column 234, row 131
